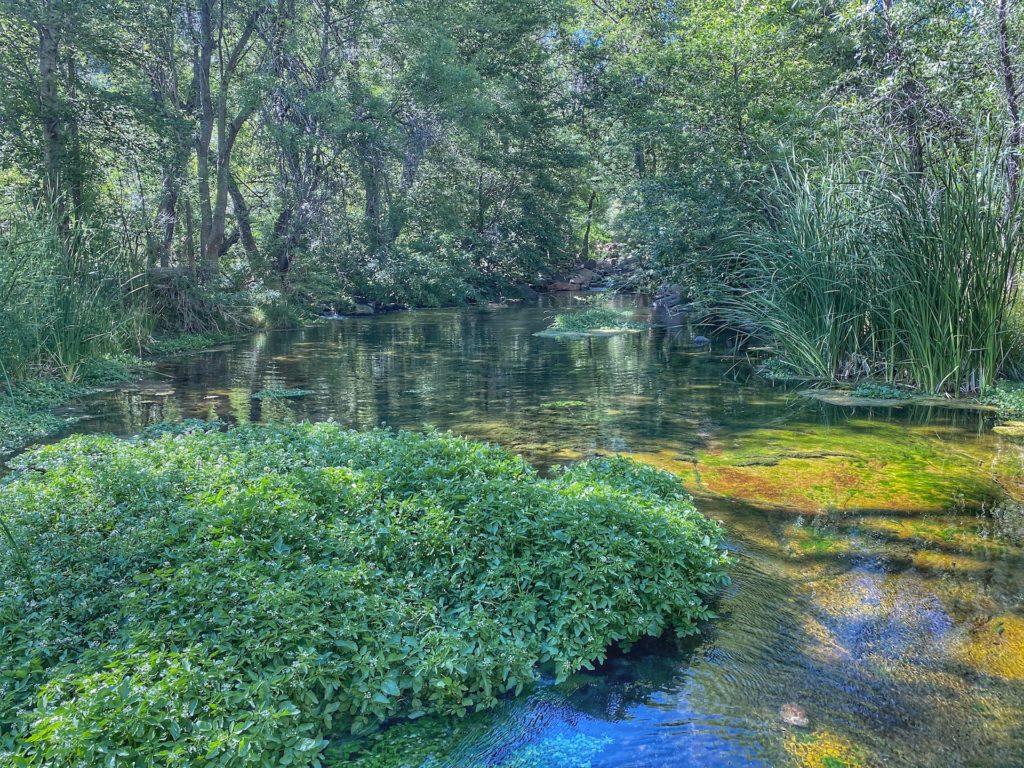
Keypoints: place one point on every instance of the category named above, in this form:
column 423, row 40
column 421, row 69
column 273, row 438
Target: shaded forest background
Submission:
column 202, row 165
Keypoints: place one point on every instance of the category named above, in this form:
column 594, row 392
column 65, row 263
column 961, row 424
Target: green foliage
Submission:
column 272, row 393
column 1008, row 397
column 867, row 273
column 186, row 342
column 64, row 299
column 26, row 410
column 235, row 598
column 592, row 318
column 883, row 392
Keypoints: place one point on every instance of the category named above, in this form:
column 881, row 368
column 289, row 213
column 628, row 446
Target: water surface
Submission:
column 879, row 584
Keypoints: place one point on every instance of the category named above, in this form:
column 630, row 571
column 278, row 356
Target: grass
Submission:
column 881, row 274
column 238, row 598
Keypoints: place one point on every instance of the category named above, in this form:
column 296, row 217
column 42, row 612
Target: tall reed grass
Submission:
column 874, row 272
column 65, row 299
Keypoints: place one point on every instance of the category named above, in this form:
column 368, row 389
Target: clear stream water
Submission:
column 879, row 586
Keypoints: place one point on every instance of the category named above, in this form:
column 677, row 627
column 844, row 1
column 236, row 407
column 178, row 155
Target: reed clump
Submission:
column 871, row 271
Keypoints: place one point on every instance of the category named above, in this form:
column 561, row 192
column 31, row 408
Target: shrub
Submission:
column 236, row 598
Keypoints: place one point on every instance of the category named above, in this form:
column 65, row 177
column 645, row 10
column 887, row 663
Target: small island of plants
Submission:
column 243, row 597
column 591, row 321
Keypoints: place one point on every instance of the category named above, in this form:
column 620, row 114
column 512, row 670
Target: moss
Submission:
column 865, row 465
column 995, row 647
column 823, row 749
column 592, row 321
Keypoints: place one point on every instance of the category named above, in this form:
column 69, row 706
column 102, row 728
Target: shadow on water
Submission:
column 879, row 585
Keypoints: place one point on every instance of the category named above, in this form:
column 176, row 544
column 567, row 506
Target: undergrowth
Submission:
column 26, row 409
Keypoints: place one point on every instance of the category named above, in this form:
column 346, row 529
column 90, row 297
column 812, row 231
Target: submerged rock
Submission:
column 795, row 715
column 701, row 341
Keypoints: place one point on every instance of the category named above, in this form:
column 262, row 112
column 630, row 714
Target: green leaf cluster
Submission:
column 238, row 598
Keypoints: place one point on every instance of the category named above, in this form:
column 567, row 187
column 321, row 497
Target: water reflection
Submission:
column 880, row 585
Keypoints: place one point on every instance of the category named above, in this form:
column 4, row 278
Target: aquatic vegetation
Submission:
column 862, row 464
column 883, row 392
column 823, row 749
column 995, row 646
column 564, row 405
column 26, row 410
column 591, row 321
column 272, row 393
column 238, row 597
column 778, row 369
column 187, row 342
column 1008, row 398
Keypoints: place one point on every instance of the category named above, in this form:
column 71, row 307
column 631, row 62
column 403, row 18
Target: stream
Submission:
column 879, row 585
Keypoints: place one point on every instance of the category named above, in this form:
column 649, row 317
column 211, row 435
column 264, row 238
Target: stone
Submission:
column 363, row 309
column 527, row 293
column 583, row 277
column 795, row 715
column 701, row 341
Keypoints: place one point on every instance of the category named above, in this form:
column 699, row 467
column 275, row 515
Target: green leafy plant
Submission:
column 591, row 318
column 235, row 598
column 883, row 392
column 1008, row 397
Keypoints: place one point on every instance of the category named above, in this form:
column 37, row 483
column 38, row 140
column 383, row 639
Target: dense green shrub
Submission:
column 200, row 597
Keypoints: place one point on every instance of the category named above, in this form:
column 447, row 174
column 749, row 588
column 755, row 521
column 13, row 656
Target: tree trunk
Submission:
column 204, row 137
column 242, row 217
column 52, row 124
column 910, row 93
column 590, row 221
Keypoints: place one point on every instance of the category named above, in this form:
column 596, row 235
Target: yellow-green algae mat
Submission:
column 853, row 489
